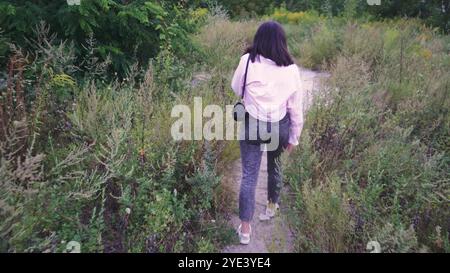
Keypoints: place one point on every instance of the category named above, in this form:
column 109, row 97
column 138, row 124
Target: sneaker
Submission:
column 270, row 212
column 244, row 238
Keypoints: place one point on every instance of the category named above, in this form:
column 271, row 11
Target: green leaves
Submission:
column 155, row 9
column 135, row 13
column 7, row 9
column 132, row 32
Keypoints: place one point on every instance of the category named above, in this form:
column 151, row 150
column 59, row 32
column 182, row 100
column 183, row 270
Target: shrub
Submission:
column 304, row 19
column 325, row 228
column 111, row 180
column 127, row 32
column 375, row 136
column 320, row 48
column 223, row 41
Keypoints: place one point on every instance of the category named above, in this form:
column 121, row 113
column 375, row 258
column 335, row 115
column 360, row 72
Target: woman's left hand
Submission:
column 290, row 148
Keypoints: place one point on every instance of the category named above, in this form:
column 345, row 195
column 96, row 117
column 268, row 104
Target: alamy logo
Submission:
column 220, row 125
column 374, row 2
column 73, row 2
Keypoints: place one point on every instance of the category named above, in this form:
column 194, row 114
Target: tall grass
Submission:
column 373, row 164
column 99, row 165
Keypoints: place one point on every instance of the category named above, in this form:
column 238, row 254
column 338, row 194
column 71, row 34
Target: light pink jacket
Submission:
column 271, row 92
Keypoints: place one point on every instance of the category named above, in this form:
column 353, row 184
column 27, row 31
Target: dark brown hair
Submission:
column 270, row 42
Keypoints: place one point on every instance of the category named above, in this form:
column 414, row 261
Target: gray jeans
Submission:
column 251, row 154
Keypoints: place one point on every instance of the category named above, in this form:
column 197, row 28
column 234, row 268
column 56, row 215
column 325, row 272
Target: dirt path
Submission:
column 275, row 235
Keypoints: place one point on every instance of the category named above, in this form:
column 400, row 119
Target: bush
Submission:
column 304, row 19
column 328, row 227
column 127, row 32
column 320, row 48
column 90, row 160
column 373, row 158
column 251, row 8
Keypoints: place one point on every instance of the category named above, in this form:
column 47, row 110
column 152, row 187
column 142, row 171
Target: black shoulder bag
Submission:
column 239, row 112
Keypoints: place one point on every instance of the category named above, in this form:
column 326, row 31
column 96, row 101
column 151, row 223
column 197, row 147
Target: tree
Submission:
column 126, row 30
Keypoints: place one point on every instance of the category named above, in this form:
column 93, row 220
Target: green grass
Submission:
column 373, row 164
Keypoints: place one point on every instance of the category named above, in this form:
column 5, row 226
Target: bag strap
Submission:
column 245, row 77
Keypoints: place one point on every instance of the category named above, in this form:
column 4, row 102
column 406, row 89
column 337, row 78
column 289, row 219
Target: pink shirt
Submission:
column 271, row 92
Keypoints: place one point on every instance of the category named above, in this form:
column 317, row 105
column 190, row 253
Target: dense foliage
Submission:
column 434, row 12
column 87, row 157
column 127, row 31
column 375, row 155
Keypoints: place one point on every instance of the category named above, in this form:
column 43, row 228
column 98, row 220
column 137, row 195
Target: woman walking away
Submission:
column 269, row 82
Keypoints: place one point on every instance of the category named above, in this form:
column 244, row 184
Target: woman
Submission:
column 272, row 95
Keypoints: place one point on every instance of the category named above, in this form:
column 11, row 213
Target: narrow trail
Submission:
column 275, row 235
